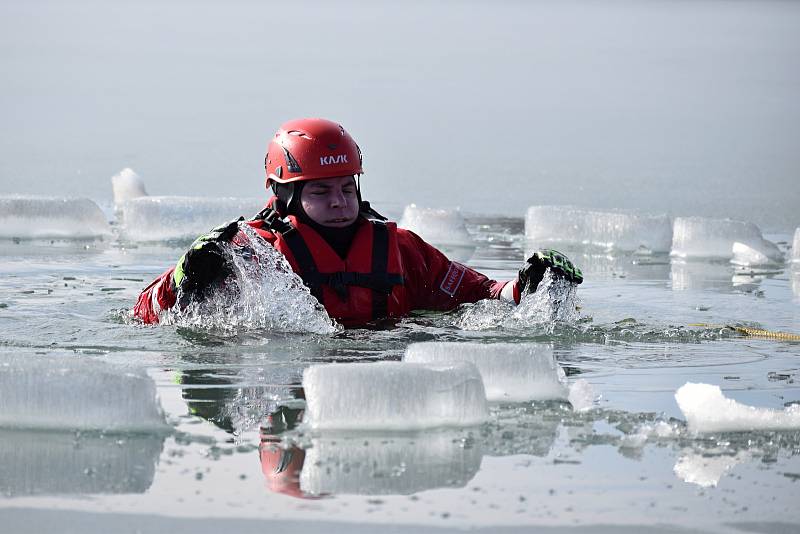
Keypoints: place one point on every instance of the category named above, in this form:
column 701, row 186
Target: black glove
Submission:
column 532, row 273
column 204, row 263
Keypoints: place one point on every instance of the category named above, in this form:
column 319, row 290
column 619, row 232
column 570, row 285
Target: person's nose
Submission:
column 338, row 200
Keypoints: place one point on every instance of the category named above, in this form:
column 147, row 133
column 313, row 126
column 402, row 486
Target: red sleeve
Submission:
column 161, row 294
column 434, row 282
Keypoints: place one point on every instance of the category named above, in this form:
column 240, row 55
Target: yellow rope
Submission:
column 754, row 332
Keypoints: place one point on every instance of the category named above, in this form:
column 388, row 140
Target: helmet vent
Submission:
column 298, row 133
column 291, row 163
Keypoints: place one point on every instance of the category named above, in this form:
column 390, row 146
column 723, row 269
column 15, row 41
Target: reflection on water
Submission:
column 795, row 276
column 694, row 275
column 60, row 463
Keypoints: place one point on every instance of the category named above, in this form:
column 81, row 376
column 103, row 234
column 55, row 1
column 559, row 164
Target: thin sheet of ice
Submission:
column 389, row 465
column 511, row 372
column 617, row 229
column 46, row 392
column 154, row 219
column 796, row 246
column 436, row 225
column 707, row 410
column 393, row 395
column 263, row 293
column 42, row 217
column 66, row 463
column 702, row 237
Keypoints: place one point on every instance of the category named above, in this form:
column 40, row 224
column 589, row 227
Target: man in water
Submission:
column 361, row 268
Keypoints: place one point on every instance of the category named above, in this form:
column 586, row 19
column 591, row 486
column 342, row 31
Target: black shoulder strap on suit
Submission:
column 380, row 261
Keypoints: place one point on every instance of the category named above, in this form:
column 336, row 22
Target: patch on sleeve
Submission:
column 453, row 278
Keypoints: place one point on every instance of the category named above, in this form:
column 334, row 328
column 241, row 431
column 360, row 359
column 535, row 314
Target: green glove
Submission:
column 204, row 263
column 533, row 271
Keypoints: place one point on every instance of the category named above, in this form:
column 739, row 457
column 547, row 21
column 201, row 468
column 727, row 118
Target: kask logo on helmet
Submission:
column 331, row 160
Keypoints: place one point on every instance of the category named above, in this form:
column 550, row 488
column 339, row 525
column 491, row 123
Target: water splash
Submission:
column 554, row 302
column 263, row 293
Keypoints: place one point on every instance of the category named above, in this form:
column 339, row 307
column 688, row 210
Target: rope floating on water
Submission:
column 753, row 332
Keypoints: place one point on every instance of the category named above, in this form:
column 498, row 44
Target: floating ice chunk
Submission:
column 622, row 230
column 647, row 431
column 151, row 219
column 393, row 395
column 706, row 471
column 436, row 225
column 707, row 410
column 796, row 247
column 389, row 464
column 701, row 237
column 66, row 393
column 581, row 395
column 512, row 372
column 127, row 185
column 61, row 463
column 40, row 217
column 747, row 255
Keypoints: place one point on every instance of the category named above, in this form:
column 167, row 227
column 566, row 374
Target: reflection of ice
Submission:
column 707, row 410
column 48, row 463
column 67, row 393
column 38, row 217
column 700, row 275
column 701, row 237
column 393, row 395
column 389, row 464
column 706, row 470
column 620, row 230
column 621, row 264
column 444, row 228
column 514, row 372
column 796, row 281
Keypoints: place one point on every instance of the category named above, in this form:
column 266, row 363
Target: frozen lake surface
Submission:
column 232, row 401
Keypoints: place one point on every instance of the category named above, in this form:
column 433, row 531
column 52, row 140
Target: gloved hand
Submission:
column 204, row 263
column 532, row 273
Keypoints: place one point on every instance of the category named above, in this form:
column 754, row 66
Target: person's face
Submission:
column 331, row 202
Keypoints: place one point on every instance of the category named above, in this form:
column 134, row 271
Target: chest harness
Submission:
column 379, row 280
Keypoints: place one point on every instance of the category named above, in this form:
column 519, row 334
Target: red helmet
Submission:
column 311, row 149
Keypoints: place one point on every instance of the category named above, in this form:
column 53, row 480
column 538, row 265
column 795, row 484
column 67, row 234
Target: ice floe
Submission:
column 702, row 237
column 611, row 229
column 387, row 464
column 393, row 395
column 444, row 228
column 42, row 217
column 513, row 372
column 707, row 410
column 46, row 392
column 796, row 246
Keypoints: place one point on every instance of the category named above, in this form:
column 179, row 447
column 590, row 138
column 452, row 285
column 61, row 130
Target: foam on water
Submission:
column 707, row 410
column 42, row 217
column 393, row 395
column 46, row 392
column 127, row 185
column 796, row 246
column 153, row 219
column 511, row 372
column 701, row 237
column 555, row 301
column 262, row 293
column 617, row 229
column 389, row 465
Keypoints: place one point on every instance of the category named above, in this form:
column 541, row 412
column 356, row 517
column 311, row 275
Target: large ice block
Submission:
column 41, row 217
column 701, row 237
column 389, row 464
column 167, row 218
column 63, row 463
column 513, row 372
column 796, row 247
column 707, row 410
column 393, row 395
column 45, row 392
column 436, row 225
column 127, row 185
column 612, row 229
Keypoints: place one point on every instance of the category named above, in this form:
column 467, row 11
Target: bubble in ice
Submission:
column 511, row 372
column 707, row 410
column 42, row 217
column 555, row 301
column 702, row 237
column 399, row 464
column 46, row 392
column 127, row 185
column 262, row 293
column 393, row 395
column 179, row 218
column 610, row 229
